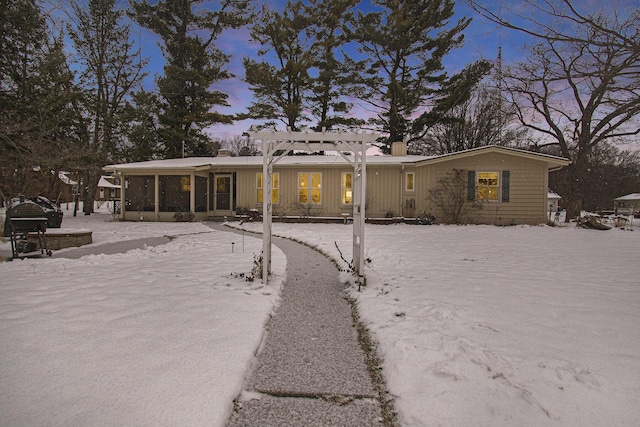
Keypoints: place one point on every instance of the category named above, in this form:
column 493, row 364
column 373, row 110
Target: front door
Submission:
column 222, row 194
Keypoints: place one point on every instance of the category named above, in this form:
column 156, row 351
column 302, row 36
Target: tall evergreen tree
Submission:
column 404, row 44
column 301, row 77
column 141, row 127
column 38, row 102
column 328, row 100
column 193, row 64
column 280, row 86
column 111, row 70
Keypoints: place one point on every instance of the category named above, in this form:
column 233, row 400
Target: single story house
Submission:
column 511, row 184
column 627, row 205
column 108, row 188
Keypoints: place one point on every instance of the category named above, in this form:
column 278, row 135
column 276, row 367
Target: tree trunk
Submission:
column 89, row 193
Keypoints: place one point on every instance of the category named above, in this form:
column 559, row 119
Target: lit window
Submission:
column 185, row 183
column 275, row 179
column 488, row 185
column 310, row 188
column 410, row 183
column 347, row 188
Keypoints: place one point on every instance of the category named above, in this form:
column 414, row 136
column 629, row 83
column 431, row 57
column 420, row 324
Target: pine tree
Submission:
column 329, row 30
column 280, row 86
column 140, row 119
column 39, row 104
column 193, row 65
column 402, row 73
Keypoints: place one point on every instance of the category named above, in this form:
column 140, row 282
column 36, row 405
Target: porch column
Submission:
column 156, row 195
column 192, row 193
column 267, row 191
column 123, row 197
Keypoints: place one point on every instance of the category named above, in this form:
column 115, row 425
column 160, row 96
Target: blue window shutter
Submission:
column 506, row 175
column 471, row 187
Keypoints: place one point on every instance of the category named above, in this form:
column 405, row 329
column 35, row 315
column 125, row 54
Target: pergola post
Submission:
column 359, row 206
column 267, row 208
column 315, row 141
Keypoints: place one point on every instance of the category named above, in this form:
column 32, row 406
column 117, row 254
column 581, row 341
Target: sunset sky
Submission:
column 482, row 39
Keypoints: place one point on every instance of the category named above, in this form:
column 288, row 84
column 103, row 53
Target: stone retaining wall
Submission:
column 64, row 239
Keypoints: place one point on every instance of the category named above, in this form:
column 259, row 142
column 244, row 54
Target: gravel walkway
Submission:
column 311, row 369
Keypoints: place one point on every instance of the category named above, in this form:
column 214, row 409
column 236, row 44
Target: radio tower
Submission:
column 499, row 77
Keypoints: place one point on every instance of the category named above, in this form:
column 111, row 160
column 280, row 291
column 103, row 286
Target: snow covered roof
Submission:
column 64, row 177
column 553, row 195
column 103, row 182
column 554, row 162
column 632, row 196
column 203, row 163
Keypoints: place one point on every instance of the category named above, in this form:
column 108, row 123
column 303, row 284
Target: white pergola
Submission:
column 341, row 142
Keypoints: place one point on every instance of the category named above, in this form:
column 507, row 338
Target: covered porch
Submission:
column 171, row 196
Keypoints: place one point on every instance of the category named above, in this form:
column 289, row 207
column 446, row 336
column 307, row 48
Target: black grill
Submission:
column 23, row 218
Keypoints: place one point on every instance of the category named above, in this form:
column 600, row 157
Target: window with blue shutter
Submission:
column 506, row 175
column 471, row 187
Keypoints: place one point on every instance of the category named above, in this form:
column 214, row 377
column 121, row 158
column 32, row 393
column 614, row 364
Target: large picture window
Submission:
column 310, row 187
column 347, row 188
column 275, row 185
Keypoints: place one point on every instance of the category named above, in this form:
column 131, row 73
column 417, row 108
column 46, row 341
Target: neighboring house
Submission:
column 108, row 188
column 553, row 202
column 627, row 205
column 68, row 188
column 511, row 184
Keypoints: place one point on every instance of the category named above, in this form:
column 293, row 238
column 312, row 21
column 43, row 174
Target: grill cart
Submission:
column 23, row 218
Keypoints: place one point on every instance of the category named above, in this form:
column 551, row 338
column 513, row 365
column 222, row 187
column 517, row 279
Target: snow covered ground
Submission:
column 501, row 326
column 477, row 325
column 162, row 336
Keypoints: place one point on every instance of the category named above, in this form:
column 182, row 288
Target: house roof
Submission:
column 204, row 163
column 553, row 161
column 629, row 197
column 196, row 163
column 64, row 177
column 104, row 182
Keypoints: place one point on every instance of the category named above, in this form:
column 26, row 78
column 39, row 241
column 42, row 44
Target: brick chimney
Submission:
column 223, row 152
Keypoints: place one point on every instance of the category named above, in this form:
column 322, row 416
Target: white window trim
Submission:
column 274, row 180
column 310, row 187
column 342, row 175
column 406, row 182
column 498, row 186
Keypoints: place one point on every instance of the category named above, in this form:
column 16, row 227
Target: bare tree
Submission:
column 450, row 198
column 111, row 68
column 240, row 146
column 480, row 121
column 580, row 84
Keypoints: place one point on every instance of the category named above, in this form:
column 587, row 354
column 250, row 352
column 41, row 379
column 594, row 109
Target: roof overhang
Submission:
column 554, row 162
column 203, row 164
